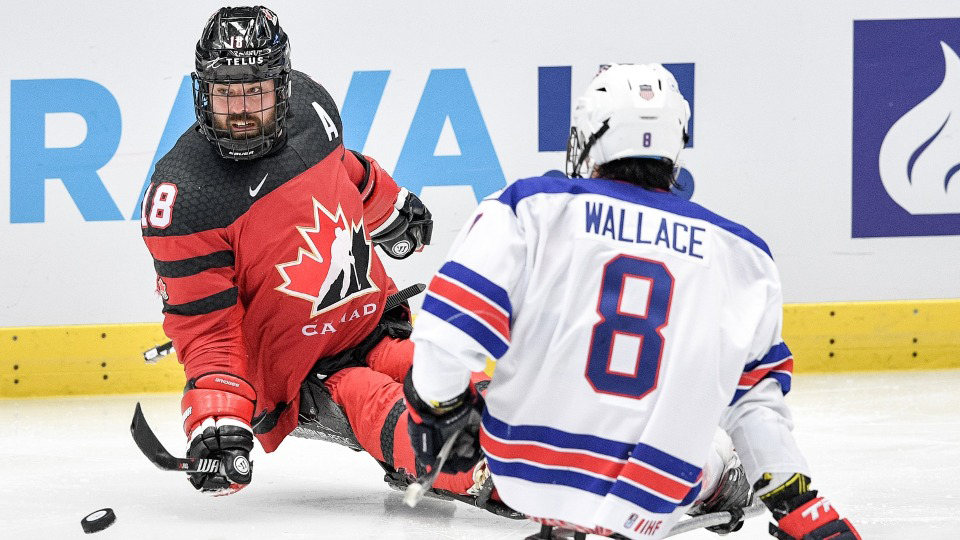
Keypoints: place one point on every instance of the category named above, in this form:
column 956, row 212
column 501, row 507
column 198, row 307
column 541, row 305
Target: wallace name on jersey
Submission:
column 648, row 226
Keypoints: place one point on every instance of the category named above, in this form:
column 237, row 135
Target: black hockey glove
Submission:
column 230, row 442
column 431, row 425
column 216, row 410
column 409, row 231
column 801, row 514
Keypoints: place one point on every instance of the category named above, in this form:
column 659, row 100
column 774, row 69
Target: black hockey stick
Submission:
column 150, row 445
column 418, row 489
column 153, row 355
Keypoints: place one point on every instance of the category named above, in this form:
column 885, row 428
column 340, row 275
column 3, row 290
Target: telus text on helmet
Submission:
column 247, row 61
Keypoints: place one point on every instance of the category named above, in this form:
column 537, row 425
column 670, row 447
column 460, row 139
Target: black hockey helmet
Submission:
column 238, row 46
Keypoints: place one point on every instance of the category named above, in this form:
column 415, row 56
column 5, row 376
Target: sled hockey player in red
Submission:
column 628, row 325
column 262, row 228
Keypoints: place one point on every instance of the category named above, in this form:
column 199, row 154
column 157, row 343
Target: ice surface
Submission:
column 884, row 447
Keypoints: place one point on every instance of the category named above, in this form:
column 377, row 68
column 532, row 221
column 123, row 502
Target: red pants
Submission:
column 370, row 394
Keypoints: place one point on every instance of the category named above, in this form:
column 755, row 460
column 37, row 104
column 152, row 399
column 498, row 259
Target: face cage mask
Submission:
column 578, row 152
column 263, row 133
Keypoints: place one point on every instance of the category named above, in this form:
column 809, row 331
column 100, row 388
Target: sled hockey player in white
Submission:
column 628, row 325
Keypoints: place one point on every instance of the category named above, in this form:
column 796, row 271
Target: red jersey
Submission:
column 266, row 266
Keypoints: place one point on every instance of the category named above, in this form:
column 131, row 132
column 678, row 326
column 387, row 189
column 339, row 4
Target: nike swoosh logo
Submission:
column 253, row 192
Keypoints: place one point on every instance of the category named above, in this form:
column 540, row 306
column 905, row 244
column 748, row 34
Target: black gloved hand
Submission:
column 230, row 442
column 430, row 425
column 217, row 408
column 410, row 230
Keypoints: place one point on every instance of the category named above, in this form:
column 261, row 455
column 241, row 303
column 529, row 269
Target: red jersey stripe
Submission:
column 473, row 303
column 753, row 377
column 588, row 463
column 655, row 481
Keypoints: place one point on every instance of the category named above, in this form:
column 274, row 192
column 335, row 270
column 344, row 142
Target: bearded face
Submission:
column 244, row 110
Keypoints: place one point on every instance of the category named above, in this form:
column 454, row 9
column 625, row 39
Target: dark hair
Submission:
column 647, row 173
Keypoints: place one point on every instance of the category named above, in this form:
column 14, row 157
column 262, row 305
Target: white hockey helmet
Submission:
column 627, row 111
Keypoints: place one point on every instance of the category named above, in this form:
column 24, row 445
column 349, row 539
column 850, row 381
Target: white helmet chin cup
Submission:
column 645, row 114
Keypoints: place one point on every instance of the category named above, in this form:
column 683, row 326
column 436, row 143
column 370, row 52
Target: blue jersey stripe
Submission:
column 668, row 202
column 785, row 380
column 541, row 475
column 466, row 322
column 667, row 463
column 598, row 445
column 737, row 395
column 775, row 354
column 482, row 285
column 556, row 437
column 642, row 498
column 692, row 496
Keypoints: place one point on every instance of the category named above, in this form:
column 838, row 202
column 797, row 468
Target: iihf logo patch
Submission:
column 335, row 267
column 906, row 128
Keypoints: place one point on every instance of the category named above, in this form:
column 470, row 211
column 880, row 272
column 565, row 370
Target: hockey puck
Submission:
column 98, row 521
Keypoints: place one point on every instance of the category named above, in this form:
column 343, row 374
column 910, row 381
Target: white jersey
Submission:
column 624, row 323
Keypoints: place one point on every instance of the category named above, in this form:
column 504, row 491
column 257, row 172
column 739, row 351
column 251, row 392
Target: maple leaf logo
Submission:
column 162, row 289
column 336, row 266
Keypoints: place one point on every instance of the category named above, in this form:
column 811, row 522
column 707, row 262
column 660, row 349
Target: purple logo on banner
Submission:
column 906, row 128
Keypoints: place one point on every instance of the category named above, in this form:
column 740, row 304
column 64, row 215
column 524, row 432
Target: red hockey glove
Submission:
column 802, row 515
column 217, row 408
column 430, row 426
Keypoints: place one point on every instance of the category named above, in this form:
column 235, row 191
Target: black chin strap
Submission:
column 590, row 142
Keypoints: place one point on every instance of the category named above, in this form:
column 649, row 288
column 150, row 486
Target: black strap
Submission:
column 267, row 420
column 401, row 296
column 388, row 429
column 366, row 171
column 590, row 142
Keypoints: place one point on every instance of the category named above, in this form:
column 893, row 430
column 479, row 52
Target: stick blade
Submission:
column 413, row 494
column 149, row 444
